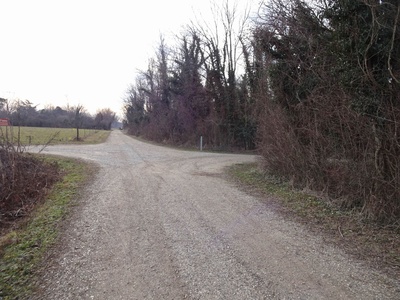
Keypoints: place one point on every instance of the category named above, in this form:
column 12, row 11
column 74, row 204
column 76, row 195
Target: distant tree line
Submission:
column 313, row 85
column 24, row 113
column 194, row 90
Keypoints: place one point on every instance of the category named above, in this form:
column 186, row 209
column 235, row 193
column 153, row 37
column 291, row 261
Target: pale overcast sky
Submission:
column 83, row 51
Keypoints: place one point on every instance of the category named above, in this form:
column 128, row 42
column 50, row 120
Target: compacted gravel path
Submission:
column 159, row 223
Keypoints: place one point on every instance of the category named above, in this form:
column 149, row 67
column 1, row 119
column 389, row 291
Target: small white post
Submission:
column 201, row 143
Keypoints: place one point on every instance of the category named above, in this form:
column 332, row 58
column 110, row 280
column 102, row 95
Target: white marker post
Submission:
column 201, row 143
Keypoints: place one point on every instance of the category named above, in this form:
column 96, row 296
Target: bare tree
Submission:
column 79, row 109
column 221, row 55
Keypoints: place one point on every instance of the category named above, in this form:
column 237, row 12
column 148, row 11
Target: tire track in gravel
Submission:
column 159, row 223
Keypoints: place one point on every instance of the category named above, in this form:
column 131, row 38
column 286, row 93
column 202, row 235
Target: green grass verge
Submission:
column 22, row 249
column 301, row 203
column 347, row 229
column 43, row 136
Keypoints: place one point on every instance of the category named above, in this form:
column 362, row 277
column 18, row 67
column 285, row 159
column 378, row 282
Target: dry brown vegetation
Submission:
column 330, row 108
column 24, row 181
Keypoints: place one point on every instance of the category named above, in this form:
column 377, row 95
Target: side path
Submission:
column 159, row 223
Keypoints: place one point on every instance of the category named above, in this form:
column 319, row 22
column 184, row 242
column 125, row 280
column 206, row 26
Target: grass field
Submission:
column 51, row 136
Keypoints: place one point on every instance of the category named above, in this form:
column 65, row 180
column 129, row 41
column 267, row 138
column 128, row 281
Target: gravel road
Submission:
column 159, row 223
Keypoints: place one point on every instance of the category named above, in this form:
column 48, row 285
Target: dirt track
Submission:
column 159, row 223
